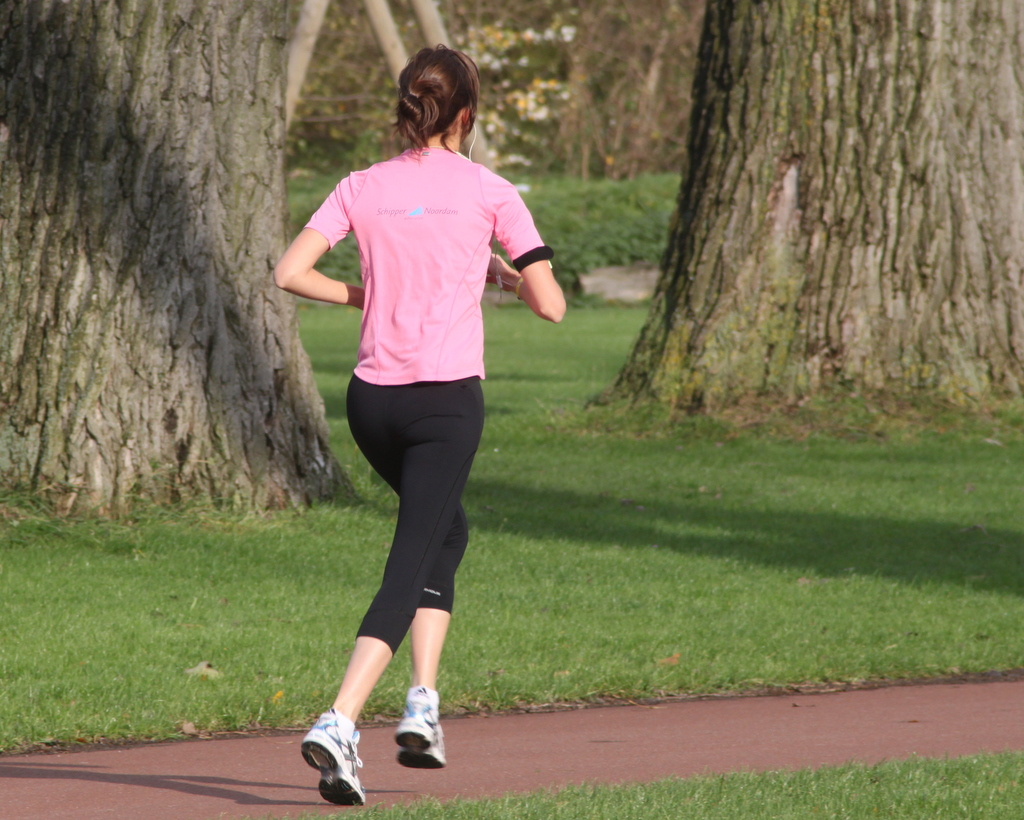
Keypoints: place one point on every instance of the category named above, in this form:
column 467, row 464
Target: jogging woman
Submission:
column 424, row 221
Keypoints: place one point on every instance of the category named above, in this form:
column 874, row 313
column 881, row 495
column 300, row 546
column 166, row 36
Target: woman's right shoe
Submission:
column 420, row 736
column 325, row 748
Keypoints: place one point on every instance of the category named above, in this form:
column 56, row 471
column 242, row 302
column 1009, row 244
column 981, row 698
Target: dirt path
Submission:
column 265, row 776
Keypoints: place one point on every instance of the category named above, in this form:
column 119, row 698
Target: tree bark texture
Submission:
column 144, row 351
column 851, row 213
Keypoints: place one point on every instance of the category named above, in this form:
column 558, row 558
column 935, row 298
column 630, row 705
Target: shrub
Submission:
column 603, row 222
column 589, row 224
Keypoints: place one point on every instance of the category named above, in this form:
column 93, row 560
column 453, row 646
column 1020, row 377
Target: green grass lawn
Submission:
column 599, row 564
column 986, row 787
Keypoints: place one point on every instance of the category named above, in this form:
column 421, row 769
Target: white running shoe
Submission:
column 420, row 736
column 325, row 748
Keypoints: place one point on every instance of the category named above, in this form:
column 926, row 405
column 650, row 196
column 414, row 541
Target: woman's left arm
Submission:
column 295, row 274
column 535, row 284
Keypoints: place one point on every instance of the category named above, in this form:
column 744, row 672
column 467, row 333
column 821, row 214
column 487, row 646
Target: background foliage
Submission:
column 590, row 224
column 595, row 89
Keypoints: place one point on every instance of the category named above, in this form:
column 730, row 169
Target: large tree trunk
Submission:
column 852, row 207
column 143, row 348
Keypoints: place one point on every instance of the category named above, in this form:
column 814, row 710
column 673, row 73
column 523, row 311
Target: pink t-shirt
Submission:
column 424, row 222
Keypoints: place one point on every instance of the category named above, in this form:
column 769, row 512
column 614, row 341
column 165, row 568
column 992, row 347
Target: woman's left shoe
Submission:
column 327, row 749
column 420, row 736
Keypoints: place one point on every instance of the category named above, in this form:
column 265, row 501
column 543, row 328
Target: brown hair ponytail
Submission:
column 433, row 88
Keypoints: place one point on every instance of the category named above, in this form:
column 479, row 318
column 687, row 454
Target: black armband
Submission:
column 536, row 255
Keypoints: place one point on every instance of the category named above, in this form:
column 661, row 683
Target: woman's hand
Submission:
column 536, row 286
column 295, row 274
column 500, row 273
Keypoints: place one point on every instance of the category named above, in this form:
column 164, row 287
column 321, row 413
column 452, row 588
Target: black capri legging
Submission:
column 421, row 439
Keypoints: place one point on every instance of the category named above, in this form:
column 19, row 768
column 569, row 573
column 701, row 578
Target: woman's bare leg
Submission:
column 429, row 628
column 370, row 657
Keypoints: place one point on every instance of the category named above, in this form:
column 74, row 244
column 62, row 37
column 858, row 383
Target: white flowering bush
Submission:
column 523, row 92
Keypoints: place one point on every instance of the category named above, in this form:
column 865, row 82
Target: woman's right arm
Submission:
column 295, row 274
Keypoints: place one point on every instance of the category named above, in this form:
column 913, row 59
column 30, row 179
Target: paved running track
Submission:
column 265, row 776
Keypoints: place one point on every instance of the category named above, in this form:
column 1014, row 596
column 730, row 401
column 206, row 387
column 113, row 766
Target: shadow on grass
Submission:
column 335, row 409
column 827, row 544
column 525, row 378
column 334, row 405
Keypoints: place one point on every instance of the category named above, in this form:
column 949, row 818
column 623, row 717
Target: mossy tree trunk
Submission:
column 852, row 206
column 143, row 349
